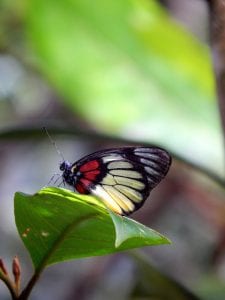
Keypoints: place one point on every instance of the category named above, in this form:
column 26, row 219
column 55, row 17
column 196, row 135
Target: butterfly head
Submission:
column 65, row 166
column 68, row 175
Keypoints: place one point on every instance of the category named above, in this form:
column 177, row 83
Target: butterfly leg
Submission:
column 51, row 179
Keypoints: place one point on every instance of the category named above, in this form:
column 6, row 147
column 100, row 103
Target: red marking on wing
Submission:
column 81, row 189
column 85, row 182
column 82, row 186
column 91, row 165
column 91, row 175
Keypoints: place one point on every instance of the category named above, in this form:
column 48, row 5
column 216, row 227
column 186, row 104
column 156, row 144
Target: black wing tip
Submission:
column 166, row 158
column 164, row 161
column 163, row 154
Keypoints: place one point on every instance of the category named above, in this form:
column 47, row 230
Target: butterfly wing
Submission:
column 122, row 177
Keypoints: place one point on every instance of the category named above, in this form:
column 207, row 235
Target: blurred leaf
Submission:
column 211, row 287
column 152, row 284
column 57, row 225
column 130, row 70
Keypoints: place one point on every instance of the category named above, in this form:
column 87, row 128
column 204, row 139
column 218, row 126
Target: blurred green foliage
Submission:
column 130, row 70
column 152, row 284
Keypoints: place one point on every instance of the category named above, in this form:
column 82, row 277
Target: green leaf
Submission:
column 57, row 225
column 129, row 229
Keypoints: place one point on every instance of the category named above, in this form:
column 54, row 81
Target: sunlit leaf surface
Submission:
column 57, row 225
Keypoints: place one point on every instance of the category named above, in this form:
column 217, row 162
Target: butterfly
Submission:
column 121, row 177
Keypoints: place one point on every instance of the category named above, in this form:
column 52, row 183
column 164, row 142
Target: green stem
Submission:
column 26, row 292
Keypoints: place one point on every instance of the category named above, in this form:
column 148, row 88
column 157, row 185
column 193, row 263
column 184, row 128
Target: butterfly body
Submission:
column 121, row 177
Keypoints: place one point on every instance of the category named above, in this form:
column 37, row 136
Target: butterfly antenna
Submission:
column 54, row 144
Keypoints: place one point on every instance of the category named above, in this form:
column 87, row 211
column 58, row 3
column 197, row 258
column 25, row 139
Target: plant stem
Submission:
column 27, row 290
column 8, row 282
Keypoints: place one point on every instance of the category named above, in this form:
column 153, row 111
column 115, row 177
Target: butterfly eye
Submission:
column 64, row 165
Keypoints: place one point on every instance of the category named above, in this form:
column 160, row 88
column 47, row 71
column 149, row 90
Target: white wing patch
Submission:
column 121, row 186
column 119, row 165
column 113, row 199
column 111, row 157
column 147, row 155
column 138, row 185
column 108, row 180
column 100, row 192
column 146, row 149
column 130, row 193
column 126, row 173
column 150, row 163
column 120, row 199
column 151, row 171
